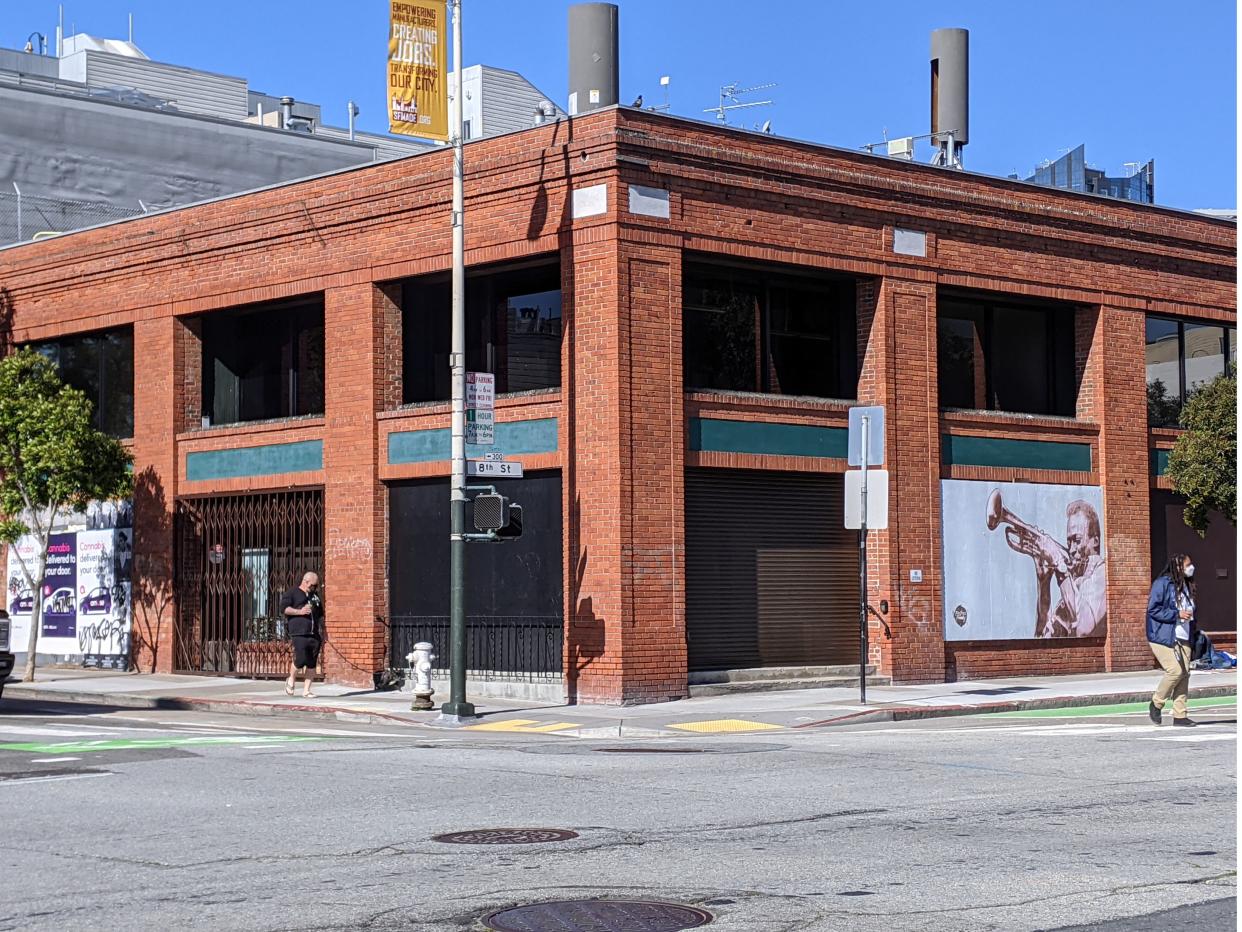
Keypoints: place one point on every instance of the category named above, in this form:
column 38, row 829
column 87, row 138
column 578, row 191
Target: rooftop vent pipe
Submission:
column 950, row 94
column 286, row 111
column 593, row 76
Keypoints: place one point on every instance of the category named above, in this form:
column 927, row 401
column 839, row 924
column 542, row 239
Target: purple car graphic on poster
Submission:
column 98, row 602
column 60, row 615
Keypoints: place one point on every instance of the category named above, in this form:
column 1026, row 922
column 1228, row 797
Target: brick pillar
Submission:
column 1113, row 392
column 624, row 475
column 913, row 435
column 652, row 459
column 159, row 405
column 591, row 389
column 363, row 322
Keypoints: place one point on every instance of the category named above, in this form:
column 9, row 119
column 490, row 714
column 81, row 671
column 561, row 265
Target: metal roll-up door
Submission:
column 771, row 572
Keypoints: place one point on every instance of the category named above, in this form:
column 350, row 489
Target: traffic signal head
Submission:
column 512, row 530
column 491, row 511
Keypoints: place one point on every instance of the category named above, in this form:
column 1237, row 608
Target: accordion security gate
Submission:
column 235, row 556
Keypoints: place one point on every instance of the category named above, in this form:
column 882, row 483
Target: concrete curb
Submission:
column 901, row 713
column 914, row 713
column 197, row 704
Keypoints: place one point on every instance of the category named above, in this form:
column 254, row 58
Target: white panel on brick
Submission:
column 648, row 202
column 590, row 202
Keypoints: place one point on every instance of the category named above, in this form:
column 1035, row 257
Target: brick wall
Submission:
column 621, row 409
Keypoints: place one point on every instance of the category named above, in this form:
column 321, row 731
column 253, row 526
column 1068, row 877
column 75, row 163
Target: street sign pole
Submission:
column 457, row 707
column 862, row 571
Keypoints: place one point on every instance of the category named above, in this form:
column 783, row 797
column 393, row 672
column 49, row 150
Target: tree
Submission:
column 51, row 458
column 1203, row 464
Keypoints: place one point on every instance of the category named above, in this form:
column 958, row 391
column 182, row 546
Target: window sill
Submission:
column 983, row 418
column 765, row 399
column 504, row 400
column 240, row 428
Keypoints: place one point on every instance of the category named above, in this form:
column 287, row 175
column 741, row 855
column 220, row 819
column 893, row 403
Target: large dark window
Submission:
column 759, row 330
column 263, row 362
column 1181, row 357
column 102, row 366
column 513, row 329
column 1006, row 356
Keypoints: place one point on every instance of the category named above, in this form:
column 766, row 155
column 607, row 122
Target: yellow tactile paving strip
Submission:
column 523, row 725
column 726, row 725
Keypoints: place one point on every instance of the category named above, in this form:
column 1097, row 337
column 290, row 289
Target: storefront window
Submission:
column 102, row 366
column 1183, row 356
column 513, row 329
column 765, row 330
column 263, row 362
column 1006, row 356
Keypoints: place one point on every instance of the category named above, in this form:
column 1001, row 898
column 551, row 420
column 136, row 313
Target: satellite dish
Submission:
column 767, row 126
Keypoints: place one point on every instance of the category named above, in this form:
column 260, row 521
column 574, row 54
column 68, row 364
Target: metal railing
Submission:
column 501, row 647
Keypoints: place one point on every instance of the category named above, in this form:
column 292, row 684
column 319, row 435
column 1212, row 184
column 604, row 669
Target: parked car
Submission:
column 6, row 653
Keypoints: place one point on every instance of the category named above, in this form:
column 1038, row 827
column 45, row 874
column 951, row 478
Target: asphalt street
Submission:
column 133, row 819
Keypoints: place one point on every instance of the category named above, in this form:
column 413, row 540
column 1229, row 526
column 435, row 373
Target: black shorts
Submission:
column 305, row 651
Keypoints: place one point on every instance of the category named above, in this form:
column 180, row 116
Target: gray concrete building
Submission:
column 101, row 132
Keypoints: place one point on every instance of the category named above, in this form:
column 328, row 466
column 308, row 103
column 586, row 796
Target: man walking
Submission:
column 303, row 611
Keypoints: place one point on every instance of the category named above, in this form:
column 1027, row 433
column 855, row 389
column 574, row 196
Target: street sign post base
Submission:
column 457, row 713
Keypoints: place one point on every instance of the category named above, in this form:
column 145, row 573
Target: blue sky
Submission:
column 1139, row 80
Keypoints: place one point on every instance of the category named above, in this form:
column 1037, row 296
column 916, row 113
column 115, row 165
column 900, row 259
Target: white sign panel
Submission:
column 875, row 435
column 494, row 469
column 480, row 390
column 877, row 499
column 1023, row 561
column 480, row 427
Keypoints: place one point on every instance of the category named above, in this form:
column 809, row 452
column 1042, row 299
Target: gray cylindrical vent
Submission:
column 286, row 111
column 950, row 84
column 593, row 79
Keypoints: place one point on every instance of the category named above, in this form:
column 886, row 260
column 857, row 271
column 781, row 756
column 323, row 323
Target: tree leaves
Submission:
column 1203, row 463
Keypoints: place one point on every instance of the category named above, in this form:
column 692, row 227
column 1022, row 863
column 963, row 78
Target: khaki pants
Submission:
column 1175, row 661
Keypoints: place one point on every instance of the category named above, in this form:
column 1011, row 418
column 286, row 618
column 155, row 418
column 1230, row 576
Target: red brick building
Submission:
column 679, row 316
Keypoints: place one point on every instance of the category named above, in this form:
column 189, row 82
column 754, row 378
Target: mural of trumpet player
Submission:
column 992, row 592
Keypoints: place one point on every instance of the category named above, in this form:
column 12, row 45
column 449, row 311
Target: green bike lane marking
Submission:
column 140, row 744
column 1083, row 711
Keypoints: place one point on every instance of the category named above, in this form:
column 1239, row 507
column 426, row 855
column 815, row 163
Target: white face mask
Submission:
column 1190, row 571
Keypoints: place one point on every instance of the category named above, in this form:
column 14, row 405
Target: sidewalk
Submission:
column 736, row 714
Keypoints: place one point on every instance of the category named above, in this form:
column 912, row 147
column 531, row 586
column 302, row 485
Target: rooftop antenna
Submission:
column 729, row 100
column 664, row 82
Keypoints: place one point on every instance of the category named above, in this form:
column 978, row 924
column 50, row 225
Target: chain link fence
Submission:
column 24, row 216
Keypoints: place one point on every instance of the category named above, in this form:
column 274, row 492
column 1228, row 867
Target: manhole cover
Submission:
column 598, row 916
column 505, row 836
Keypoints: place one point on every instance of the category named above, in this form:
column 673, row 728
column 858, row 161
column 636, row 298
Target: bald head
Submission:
column 309, row 582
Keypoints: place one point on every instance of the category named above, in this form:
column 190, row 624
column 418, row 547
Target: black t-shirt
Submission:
column 301, row 625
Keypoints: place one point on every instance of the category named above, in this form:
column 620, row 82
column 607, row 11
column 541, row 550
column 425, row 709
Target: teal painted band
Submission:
column 715, row 435
column 1160, row 462
column 269, row 460
column 512, row 439
column 1020, row 454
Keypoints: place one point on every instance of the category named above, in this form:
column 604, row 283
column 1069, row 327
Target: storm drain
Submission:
column 598, row 916
column 505, row 836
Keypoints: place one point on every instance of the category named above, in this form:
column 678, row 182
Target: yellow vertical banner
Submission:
column 418, row 69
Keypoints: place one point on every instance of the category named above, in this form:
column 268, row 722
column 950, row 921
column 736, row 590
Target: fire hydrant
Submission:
column 420, row 668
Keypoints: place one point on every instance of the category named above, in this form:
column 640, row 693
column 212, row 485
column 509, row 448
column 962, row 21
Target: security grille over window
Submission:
column 236, row 555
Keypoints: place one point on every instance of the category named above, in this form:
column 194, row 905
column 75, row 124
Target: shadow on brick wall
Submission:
column 152, row 582
column 6, row 322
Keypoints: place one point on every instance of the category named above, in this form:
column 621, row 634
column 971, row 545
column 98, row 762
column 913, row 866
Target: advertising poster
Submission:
column 104, row 597
column 418, row 69
column 60, row 596
column 1023, row 561
column 87, row 612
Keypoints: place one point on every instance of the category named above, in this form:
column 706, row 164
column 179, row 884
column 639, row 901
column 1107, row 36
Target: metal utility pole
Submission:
column 862, row 569
column 457, row 707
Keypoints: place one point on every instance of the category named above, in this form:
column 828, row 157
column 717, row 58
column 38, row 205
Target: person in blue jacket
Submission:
column 1171, row 632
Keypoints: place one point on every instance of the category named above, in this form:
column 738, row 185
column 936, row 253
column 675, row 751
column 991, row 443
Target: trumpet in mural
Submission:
column 1076, row 567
